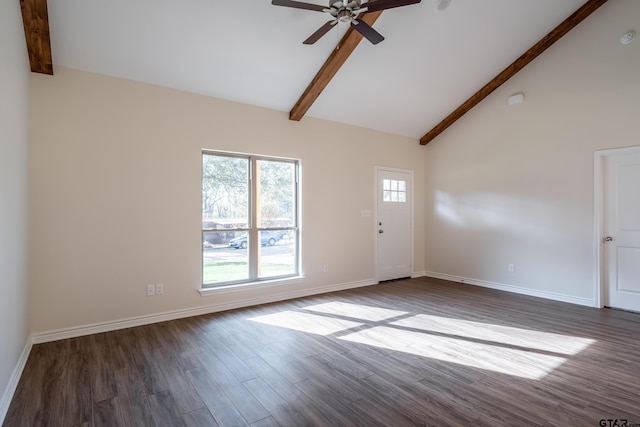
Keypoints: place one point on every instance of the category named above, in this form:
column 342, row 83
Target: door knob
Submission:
column 380, row 231
column 608, row 239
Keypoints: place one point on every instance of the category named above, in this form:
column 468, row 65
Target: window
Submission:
column 394, row 191
column 249, row 218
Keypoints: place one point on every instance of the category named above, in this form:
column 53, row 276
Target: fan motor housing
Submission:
column 344, row 11
column 344, row 15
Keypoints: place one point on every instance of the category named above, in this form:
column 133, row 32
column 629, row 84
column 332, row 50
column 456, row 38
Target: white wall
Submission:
column 116, row 185
column 14, row 87
column 515, row 184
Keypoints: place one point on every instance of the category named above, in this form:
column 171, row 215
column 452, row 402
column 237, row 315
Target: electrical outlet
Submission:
column 159, row 289
column 512, row 268
column 151, row 290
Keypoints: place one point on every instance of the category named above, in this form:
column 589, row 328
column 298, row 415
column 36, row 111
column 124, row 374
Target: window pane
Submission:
column 394, row 185
column 276, row 192
column 225, row 191
column 224, row 257
column 386, row 196
column 402, row 197
column 394, row 196
column 277, row 253
column 402, row 185
column 386, row 184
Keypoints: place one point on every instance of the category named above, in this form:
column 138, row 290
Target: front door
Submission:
column 622, row 231
column 394, row 223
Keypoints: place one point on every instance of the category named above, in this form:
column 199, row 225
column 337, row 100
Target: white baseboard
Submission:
column 5, row 401
column 96, row 328
column 417, row 274
column 515, row 289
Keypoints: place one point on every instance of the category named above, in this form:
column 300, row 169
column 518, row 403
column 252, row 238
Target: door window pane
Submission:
column 394, row 191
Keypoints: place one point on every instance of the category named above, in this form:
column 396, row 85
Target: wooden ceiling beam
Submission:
column 35, row 19
column 567, row 25
column 329, row 69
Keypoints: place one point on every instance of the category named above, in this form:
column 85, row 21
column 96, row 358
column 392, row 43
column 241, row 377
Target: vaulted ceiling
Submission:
column 432, row 67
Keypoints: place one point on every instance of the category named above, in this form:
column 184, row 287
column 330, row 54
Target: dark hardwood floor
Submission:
column 413, row 352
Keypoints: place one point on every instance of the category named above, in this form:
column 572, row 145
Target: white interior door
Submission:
column 622, row 231
column 394, row 224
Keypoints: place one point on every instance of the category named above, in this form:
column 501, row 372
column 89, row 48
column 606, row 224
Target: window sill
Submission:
column 217, row 290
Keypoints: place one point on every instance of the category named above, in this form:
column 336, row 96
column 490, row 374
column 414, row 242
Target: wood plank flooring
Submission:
column 415, row 352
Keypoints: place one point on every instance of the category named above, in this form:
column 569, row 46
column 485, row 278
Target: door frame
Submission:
column 376, row 196
column 599, row 158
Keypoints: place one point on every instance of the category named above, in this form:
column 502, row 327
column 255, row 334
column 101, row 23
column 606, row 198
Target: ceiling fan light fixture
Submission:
column 442, row 5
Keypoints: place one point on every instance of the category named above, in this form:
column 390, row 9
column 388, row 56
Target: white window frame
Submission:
column 253, row 232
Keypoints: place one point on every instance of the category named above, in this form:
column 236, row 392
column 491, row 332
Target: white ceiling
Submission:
column 250, row 51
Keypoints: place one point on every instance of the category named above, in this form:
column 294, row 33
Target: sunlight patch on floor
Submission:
column 520, row 352
column 526, row 338
column 356, row 311
column 520, row 363
column 307, row 322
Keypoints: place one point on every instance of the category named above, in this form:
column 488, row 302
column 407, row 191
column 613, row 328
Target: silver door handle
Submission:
column 608, row 239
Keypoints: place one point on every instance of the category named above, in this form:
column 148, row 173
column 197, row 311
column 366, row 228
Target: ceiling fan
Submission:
column 347, row 11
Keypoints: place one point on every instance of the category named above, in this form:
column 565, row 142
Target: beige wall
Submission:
column 515, row 184
column 14, row 95
column 115, row 183
column 115, row 195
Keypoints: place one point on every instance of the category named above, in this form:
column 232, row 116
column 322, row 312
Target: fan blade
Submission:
column 376, row 5
column 367, row 31
column 299, row 5
column 321, row 32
